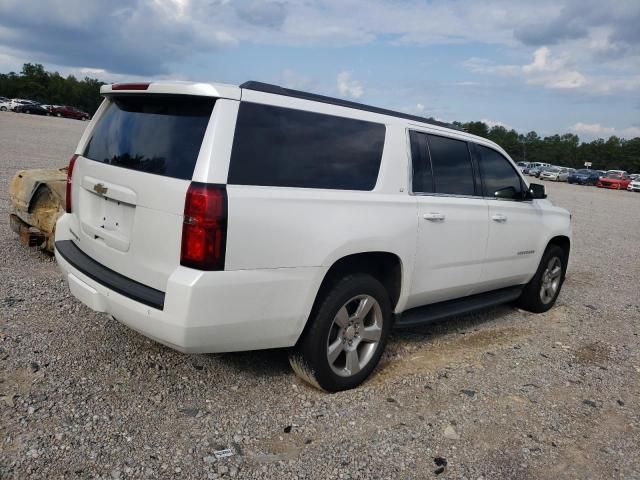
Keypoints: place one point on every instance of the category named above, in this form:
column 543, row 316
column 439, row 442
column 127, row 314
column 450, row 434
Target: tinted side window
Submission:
column 497, row 173
column 421, row 165
column 159, row 134
column 282, row 147
column 451, row 163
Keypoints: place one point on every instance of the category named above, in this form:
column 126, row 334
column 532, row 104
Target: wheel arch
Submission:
column 563, row 242
column 385, row 266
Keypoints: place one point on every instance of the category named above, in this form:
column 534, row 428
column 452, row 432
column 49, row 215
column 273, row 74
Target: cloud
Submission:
column 596, row 130
column 264, row 14
column 579, row 19
column 544, row 69
column 495, row 123
column 349, row 87
column 142, row 38
column 582, row 46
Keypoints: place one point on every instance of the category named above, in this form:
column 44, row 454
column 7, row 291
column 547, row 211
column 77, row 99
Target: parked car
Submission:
column 634, row 185
column 535, row 171
column 32, row 108
column 19, row 102
column 522, row 166
column 556, row 174
column 5, row 105
column 585, row 176
column 615, row 179
column 535, row 168
column 286, row 219
column 69, row 112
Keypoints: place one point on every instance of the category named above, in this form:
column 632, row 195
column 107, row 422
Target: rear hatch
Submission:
column 130, row 182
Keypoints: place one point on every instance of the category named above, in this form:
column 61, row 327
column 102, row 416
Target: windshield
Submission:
column 614, row 175
column 552, row 170
column 583, row 172
column 159, row 134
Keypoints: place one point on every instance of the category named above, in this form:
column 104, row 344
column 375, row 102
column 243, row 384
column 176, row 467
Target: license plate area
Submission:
column 107, row 220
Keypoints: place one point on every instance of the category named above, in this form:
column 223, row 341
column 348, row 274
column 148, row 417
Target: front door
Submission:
column 514, row 223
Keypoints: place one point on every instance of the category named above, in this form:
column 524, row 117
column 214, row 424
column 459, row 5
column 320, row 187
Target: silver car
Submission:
column 557, row 174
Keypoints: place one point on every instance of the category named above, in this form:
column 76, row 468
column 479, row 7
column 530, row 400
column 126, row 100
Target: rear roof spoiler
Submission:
column 218, row 90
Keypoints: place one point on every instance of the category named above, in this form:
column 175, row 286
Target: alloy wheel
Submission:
column 354, row 335
column 551, row 280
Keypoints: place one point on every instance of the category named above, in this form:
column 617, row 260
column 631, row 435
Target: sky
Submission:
column 553, row 66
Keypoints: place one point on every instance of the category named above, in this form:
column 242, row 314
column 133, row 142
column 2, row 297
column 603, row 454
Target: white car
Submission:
column 556, row 174
column 535, row 167
column 5, row 105
column 634, row 186
column 215, row 218
column 17, row 102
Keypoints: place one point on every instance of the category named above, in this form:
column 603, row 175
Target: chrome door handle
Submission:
column 433, row 217
column 498, row 217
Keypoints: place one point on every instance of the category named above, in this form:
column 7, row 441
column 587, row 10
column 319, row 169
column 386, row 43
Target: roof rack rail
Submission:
column 288, row 92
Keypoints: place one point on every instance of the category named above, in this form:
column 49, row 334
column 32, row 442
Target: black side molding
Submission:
column 107, row 277
column 440, row 311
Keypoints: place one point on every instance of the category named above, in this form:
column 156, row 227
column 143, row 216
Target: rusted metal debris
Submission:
column 37, row 200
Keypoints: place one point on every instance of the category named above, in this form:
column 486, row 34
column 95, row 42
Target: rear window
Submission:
column 282, row 147
column 156, row 134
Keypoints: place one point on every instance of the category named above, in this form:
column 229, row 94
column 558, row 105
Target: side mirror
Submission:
column 507, row 192
column 537, row 191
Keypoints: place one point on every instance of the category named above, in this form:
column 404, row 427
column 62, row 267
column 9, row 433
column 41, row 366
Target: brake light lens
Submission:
column 204, row 228
column 130, row 86
column 72, row 162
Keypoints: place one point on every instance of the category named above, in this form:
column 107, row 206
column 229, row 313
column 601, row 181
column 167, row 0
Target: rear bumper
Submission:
column 204, row 311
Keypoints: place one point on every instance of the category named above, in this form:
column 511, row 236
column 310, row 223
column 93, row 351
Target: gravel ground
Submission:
column 500, row 394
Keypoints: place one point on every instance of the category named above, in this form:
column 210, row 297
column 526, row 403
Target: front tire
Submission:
column 346, row 334
column 540, row 294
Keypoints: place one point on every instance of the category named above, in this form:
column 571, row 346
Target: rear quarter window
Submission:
column 282, row 147
column 156, row 134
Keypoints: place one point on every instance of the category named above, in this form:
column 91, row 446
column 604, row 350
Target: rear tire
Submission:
column 345, row 336
column 540, row 294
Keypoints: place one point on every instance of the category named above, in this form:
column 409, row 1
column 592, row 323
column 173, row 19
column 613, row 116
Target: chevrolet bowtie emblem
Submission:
column 100, row 188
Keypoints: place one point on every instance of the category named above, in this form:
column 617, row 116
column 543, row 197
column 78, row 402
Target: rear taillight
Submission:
column 72, row 162
column 204, row 228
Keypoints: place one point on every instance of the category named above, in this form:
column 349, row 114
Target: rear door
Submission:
column 452, row 223
column 130, row 182
column 514, row 224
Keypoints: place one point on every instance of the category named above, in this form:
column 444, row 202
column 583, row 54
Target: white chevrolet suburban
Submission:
column 216, row 218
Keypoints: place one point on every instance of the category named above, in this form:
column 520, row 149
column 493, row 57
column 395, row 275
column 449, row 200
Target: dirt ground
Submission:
column 499, row 394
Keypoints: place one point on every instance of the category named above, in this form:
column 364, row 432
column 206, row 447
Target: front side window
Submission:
column 421, row 165
column 451, row 164
column 498, row 174
column 283, row 147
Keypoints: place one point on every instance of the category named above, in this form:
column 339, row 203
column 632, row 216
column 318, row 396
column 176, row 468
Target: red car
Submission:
column 616, row 179
column 69, row 112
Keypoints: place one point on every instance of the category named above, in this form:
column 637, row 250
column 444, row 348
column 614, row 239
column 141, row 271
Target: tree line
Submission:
column 35, row 83
column 566, row 150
